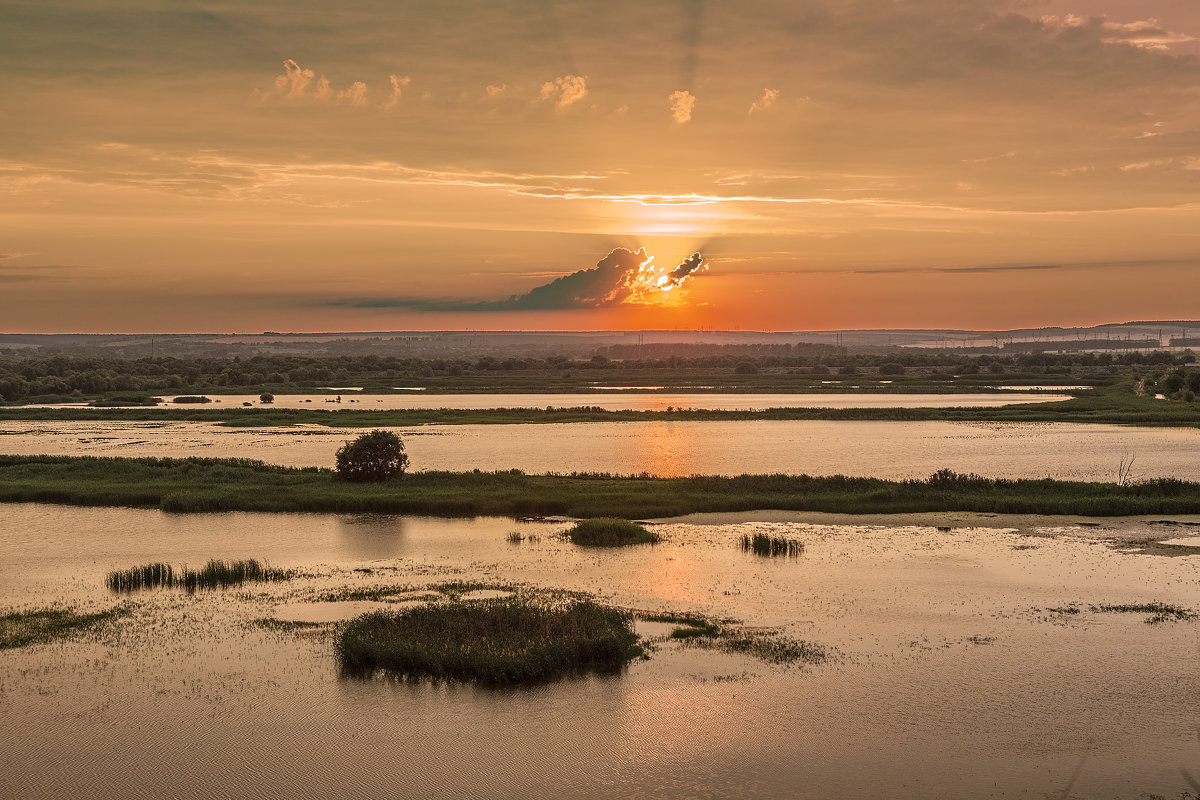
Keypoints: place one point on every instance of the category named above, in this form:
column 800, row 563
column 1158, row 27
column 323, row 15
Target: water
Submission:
column 880, row 449
column 622, row 402
column 947, row 657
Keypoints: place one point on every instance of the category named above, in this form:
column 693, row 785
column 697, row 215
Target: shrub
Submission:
column 891, row 368
column 375, row 456
column 745, row 368
column 266, row 397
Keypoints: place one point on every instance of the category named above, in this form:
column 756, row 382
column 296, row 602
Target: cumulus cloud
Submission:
column 301, row 84
column 398, row 83
column 497, row 89
column 356, row 94
column 766, row 101
column 323, row 91
column 565, row 90
column 681, row 103
column 295, row 79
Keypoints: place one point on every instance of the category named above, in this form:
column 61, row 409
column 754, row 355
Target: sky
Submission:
column 230, row 166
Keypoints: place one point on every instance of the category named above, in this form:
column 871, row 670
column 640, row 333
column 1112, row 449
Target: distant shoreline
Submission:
column 1108, row 407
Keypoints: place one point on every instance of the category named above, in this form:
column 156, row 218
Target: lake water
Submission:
column 952, row 677
column 879, row 449
column 622, row 402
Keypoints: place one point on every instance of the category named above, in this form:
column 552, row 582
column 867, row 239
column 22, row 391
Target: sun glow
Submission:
column 655, row 286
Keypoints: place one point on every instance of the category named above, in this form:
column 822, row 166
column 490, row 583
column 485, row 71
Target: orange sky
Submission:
column 188, row 165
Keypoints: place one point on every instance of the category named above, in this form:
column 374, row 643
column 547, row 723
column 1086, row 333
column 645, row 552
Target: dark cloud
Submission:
column 620, row 277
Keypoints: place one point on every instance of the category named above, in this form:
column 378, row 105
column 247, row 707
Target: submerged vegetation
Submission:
column 762, row 544
column 1157, row 612
column 494, row 642
column 610, row 532
column 214, row 574
column 20, row 628
column 766, row 646
column 202, row 485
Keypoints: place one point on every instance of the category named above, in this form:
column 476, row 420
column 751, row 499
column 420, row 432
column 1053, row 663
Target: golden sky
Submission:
column 219, row 165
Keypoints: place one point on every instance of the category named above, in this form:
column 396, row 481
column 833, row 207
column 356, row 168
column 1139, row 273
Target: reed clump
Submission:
column 762, row 544
column 214, row 574
column 494, row 642
column 610, row 532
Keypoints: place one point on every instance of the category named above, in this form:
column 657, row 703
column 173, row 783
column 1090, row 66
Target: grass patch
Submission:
column 289, row 625
column 20, row 628
column 497, row 642
column 691, row 625
column 610, row 532
column 214, row 574
column 1158, row 612
column 206, row 485
column 453, row 590
column 762, row 544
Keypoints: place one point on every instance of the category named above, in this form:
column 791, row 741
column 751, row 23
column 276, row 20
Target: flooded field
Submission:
column 876, row 449
column 627, row 401
column 952, row 636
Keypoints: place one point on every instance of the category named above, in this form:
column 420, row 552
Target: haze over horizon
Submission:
column 204, row 165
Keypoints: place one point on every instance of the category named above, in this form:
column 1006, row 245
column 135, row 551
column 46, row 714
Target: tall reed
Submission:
column 212, row 575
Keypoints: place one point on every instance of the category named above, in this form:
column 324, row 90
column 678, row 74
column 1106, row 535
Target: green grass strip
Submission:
column 201, row 485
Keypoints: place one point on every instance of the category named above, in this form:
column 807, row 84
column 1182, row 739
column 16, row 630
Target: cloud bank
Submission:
column 622, row 277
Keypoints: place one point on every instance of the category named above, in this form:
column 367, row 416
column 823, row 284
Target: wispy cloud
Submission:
column 766, row 101
column 1147, row 34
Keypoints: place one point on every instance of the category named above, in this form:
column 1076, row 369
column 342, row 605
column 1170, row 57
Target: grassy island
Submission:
column 200, row 484
column 610, row 532
column 494, row 642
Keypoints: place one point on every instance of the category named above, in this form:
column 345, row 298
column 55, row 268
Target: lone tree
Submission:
column 374, row 456
column 266, row 397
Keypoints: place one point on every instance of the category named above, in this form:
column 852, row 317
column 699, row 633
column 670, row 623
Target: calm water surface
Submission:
column 879, row 449
column 952, row 679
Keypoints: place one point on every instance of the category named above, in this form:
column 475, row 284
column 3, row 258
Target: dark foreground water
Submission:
column 953, row 677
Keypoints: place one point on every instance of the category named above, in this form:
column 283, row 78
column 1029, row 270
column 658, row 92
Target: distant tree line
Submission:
column 24, row 376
